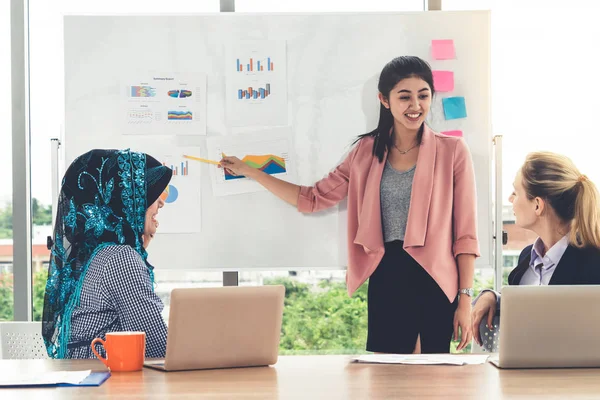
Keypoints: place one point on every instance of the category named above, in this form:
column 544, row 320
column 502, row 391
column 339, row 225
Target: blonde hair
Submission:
column 572, row 196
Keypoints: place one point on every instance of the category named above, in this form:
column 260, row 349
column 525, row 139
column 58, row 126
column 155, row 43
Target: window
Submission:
column 509, row 260
column 307, row 288
column 530, row 56
column 6, row 243
column 318, row 291
column 319, row 316
column 540, row 52
column 536, row 60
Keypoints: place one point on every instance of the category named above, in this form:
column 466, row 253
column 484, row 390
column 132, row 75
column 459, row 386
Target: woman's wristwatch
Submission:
column 467, row 291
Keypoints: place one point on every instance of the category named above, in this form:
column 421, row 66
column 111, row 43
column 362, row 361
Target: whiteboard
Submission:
column 332, row 65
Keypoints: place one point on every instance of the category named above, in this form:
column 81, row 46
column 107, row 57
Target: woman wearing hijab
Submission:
column 99, row 279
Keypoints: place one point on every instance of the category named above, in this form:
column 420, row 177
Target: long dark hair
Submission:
column 399, row 68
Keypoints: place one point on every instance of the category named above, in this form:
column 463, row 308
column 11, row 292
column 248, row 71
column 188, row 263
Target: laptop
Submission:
column 549, row 327
column 223, row 327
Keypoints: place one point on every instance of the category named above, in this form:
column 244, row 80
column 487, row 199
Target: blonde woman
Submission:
column 554, row 200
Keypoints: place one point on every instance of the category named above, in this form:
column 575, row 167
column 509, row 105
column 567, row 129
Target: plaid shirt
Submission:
column 117, row 296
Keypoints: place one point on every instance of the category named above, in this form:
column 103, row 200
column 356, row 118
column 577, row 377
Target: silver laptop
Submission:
column 223, row 327
column 549, row 327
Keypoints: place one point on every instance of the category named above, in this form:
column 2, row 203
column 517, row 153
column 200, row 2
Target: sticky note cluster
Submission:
column 443, row 82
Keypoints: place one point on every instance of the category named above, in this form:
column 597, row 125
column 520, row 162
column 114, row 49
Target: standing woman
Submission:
column 411, row 217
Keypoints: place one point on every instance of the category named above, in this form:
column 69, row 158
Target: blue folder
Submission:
column 93, row 379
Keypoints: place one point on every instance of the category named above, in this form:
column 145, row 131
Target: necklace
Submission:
column 404, row 151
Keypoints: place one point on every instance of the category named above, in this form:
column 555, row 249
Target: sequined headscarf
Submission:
column 102, row 202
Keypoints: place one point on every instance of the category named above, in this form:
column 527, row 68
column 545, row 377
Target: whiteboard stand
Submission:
column 227, row 5
column 230, row 278
column 433, row 5
column 54, row 178
column 499, row 235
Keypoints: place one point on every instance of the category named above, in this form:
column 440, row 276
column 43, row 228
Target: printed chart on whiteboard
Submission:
column 256, row 86
column 269, row 152
column 162, row 104
column 182, row 212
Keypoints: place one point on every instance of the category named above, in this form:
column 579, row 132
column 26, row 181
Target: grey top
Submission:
column 396, row 187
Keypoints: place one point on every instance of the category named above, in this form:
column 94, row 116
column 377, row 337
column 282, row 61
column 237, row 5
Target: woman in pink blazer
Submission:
column 411, row 218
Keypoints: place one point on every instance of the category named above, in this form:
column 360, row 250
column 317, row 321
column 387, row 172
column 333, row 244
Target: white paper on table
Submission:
column 423, row 359
column 46, row 378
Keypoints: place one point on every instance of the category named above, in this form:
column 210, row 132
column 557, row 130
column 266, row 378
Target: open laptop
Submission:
column 549, row 327
column 223, row 327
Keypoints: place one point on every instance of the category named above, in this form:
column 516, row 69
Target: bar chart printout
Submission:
column 254, row 93
column 256, row 83
column 253, row 65
column 182, row 212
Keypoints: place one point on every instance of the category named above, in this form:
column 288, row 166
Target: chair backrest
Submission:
column 490, row 339
column 21, row 340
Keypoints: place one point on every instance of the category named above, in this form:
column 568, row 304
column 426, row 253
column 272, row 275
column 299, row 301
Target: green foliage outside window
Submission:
column 316, row 320
column 6, row 295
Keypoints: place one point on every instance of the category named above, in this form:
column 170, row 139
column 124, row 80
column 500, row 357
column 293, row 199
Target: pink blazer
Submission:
column 442, row 220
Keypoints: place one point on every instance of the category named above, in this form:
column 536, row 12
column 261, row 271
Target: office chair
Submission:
column 22, row 340
column 491, row 339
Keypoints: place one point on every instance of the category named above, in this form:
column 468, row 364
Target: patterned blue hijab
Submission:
column 102, row 202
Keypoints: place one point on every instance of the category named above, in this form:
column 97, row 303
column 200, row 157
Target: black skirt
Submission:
column 404, row 301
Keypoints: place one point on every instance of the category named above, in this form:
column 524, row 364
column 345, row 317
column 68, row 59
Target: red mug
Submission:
column 125, row 351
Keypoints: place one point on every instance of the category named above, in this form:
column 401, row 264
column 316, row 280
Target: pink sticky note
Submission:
column 453, row 133
column 443, row 81
column 442, row 49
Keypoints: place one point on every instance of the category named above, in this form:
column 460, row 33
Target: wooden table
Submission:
column 319, row 377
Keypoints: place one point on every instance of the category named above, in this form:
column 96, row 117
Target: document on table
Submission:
column 44, row 379
column 423, row 359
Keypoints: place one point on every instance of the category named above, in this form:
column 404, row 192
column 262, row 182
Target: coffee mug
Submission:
column 125, row 351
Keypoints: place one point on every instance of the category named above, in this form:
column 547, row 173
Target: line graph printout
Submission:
column 269, row 151
column 163, row 104
column 256, row 83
